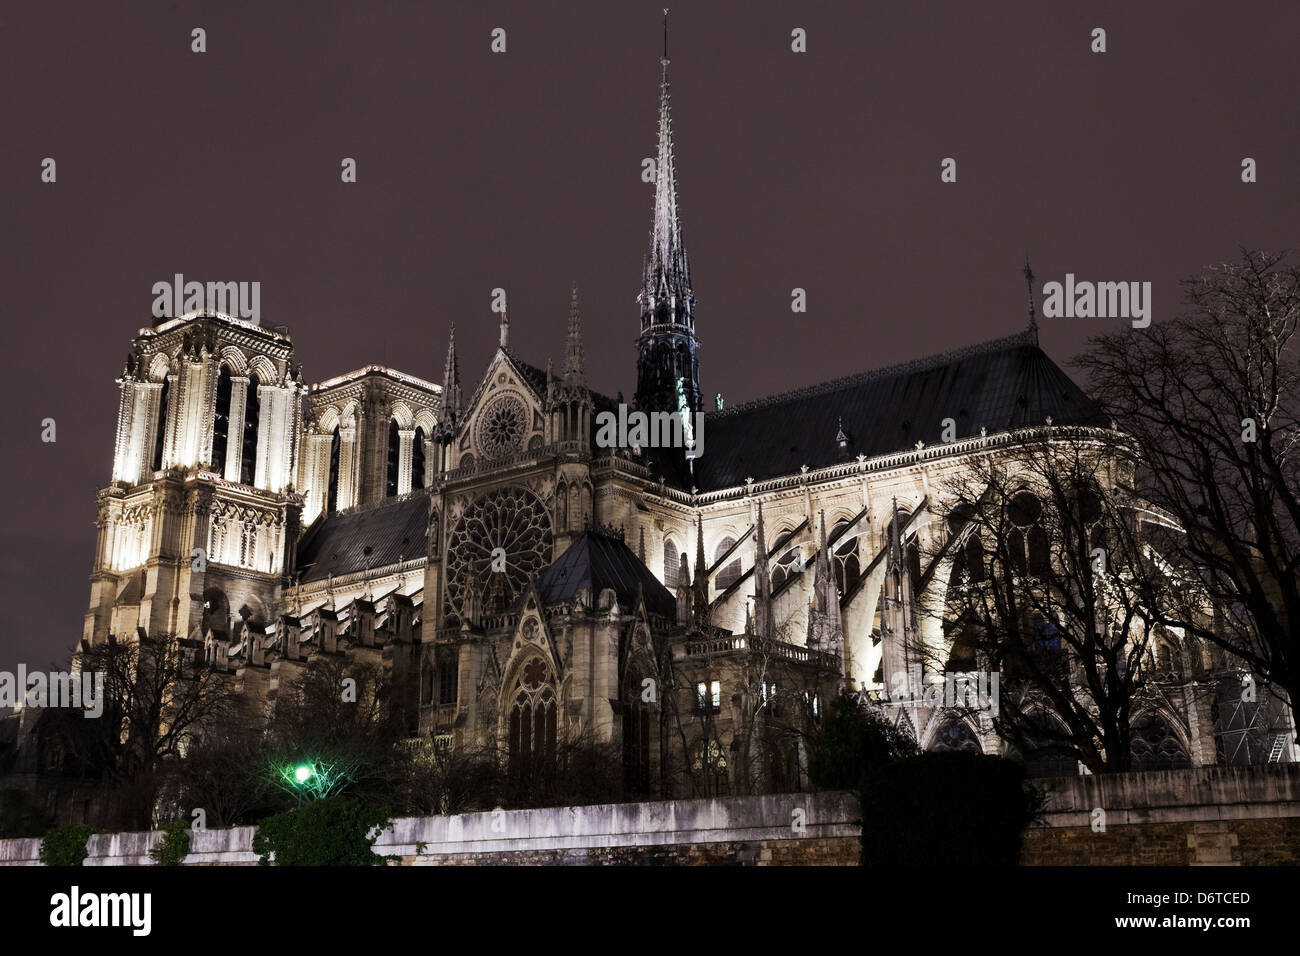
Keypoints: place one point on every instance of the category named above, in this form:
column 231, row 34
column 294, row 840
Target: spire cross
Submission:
column 665, row 34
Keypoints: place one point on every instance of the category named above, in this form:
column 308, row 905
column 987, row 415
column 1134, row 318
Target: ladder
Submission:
column 1279, row 744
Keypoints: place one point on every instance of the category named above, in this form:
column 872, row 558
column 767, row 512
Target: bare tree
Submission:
column 160, row 699
column 1053, row 586
column 1212, row 398
column 336, row 721
column 221, row 776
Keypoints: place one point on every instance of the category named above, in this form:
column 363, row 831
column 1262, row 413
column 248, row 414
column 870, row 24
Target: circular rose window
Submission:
column 512, row 519
column 501, row 427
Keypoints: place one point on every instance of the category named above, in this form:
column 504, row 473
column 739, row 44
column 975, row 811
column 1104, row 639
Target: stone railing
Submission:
column 742, row 824
column 741, row 642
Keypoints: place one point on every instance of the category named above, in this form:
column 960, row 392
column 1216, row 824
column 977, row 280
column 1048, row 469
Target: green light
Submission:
column 302, row 774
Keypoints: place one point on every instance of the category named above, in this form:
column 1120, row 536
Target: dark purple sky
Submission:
column 522, row 170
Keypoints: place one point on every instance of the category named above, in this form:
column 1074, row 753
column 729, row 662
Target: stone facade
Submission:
column 716, row 597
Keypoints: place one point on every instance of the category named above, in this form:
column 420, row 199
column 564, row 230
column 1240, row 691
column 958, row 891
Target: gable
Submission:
column 505, row 416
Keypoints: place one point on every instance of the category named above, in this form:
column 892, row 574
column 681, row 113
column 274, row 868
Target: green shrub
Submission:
column 66, row 846
column 949, row 808
column 335, row 831
column 174, row 846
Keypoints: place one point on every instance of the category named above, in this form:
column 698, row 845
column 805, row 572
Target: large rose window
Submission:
column 501, row 427
column 512, row 519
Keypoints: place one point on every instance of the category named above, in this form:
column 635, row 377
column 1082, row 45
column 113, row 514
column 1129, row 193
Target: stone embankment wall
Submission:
column 786, row 829
column 1203, row 816
column 1206, row 816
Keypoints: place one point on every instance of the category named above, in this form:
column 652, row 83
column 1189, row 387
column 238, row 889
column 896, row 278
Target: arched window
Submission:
column 963, row 654
column 636, row 736
column 847, row 567
column 785, row 567
column 532, row 724
column 1027, row 541
column 252, row 416
column 216, row 613
column 956, row 735
column 394, row 456
column 161, row 427
column 221, row 421
column 417, row 459
column 709, row 768
column 729, row 575
column 1155, row 747
column 332, row 495
column 672, row 565
column 448, row 677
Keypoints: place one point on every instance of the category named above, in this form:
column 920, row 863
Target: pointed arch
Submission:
column 159, row 367
column 729, row 575
column 236, row 359
column 846, row 561
column 221, row 419
column 252, row 422
column 402, row 414
column 394, row 458
column 160, row 425
column 332, row 493
column 264, row 369
column 329, row 418
column 530, row 709
column 955, row 734
column 417, row 458
column 672, row 563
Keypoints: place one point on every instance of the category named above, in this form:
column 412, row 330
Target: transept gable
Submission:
column 505, row 415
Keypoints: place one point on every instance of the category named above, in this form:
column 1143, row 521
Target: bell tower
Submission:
column 199, row 524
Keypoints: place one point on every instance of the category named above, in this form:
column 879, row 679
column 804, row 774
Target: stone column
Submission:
column 406, row 442
column 235, row 439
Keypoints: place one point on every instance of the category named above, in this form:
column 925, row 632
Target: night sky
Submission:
column 522, row 170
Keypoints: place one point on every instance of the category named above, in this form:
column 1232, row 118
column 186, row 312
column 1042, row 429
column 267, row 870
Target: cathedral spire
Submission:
column 1029, row 282
column 667, row 368
column 574, row 358
column 667, row 271
column 449, row 408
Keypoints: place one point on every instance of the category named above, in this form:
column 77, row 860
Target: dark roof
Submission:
column 597, row 560
column 999, row 385
column 1002, row 384
column 394, row 529
column 534, row 376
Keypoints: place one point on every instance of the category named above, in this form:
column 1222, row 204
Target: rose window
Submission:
column 512, row 519
column 501, row 428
